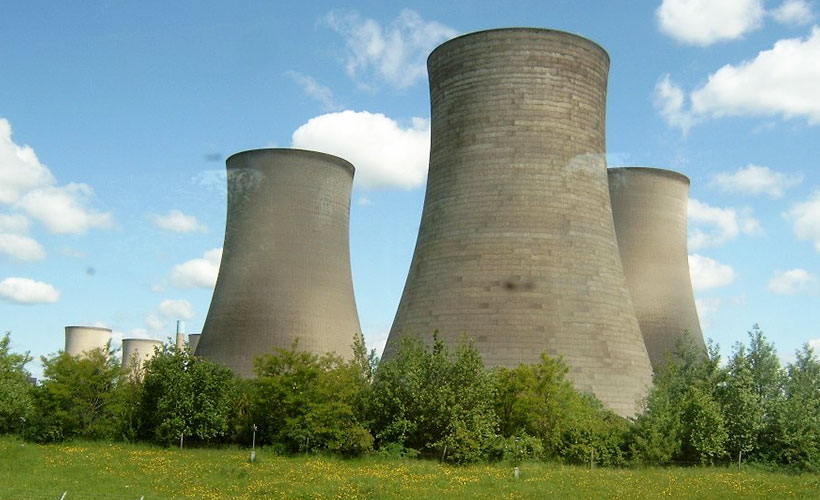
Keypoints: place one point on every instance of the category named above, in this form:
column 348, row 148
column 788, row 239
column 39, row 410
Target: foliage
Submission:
column 304, row 402
column 76, row 397
column 426, row 398
column 186, row 395
column 539, row 400
column 15, row 390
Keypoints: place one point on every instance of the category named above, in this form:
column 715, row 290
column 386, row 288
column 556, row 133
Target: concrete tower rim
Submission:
column 325, row 157
column 101, row 328
column 654, row 170
column 523, row 29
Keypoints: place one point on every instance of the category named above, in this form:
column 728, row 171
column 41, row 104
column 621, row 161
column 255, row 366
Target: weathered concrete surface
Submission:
column 81, row 339
column 285, row 271
column 649, row 209
column 136, row 352
column 516, row 246
column 193, row 341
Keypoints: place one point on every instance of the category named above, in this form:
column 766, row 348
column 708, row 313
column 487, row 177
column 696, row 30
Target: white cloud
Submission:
column 20, row 169
column 27, row 291
column 713, row 226
column 704, row 22
column 805, row 217
column 796, row 12
column 792, row 282
column 315, row 90
column 754, row 179
column 707, row 308
column 384, row 153
column 64, row 209
column 14, row 240
column 28, row 185
column 782, row 81
column 198, row 273
column 21, row 247
column 155, row 323
column 176, row 309
column 177, row 222
column 396, row 53
column 708, row 273
column 815, row 345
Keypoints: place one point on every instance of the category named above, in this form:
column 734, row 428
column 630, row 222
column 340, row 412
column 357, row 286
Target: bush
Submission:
column 15, row 391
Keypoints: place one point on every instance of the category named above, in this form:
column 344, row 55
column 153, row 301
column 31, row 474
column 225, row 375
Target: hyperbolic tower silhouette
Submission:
column 285, row 271
column 137, row 352
column 82, row 339
column 649, row 209
column 516, row 246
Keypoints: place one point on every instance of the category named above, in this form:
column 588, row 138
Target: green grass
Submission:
column 115, row 470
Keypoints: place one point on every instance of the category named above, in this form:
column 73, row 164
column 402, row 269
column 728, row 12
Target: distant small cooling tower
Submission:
column 516, row 246
column 285, row 272
column 193, row 341
column 649, row 209
column 81, row 339
column 136, row 352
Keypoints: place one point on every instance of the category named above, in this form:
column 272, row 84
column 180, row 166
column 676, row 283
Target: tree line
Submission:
column 429, row 401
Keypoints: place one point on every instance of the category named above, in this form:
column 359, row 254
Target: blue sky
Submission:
column 116, row 119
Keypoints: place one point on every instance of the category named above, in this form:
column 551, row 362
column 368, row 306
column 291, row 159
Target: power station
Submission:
column 79, row 340
column 136, row 352
column 649, row 208
column 285, row 276
column 516, row 247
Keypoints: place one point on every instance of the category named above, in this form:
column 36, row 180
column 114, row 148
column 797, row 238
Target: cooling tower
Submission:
column 136, row 352
column 193, row 340
column 516, row 246
column 285, row 271
column 649, row 209
column 81, row 339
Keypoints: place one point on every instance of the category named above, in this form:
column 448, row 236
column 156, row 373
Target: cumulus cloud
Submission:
column 796, row 12
column 154, row 323
column 177, row 222
column 713, row 226
column 384, row 153
column 805, row 218
column 395, row 53
column 792, row 282
column 704, row 22
column 782, row 81
column 708, row 273
column 14, row 240
column 815, row 345
column 27, row 291
column 198, row 273
column 65, row 209
column 315, row 90
column 176, row 309
column 754, row 179
column 29, row 186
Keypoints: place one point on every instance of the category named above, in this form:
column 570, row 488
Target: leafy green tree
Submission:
column 15, row 390
column 303, row 402
column 742, row 411
column 768, row 380
column 682, row 420
column 539, row 400
column 186, row 395
column 75, row 397
column 438, row 403
column 797, row 424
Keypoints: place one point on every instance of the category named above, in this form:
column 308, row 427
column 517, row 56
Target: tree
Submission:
column 184, row 395
column 75, row 397
column 739, row 397
column 15, row 390
column 441, row 404
column 768, row 381
column 797, row 424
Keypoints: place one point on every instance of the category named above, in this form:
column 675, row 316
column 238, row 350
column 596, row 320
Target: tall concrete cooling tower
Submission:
column 285, row 272
column 136, row 352
column 649, row 209
column 516, row 246
column 193, row 341
column 81, row 339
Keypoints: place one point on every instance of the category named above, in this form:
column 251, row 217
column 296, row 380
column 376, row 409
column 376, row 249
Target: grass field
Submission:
column 115, row 471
